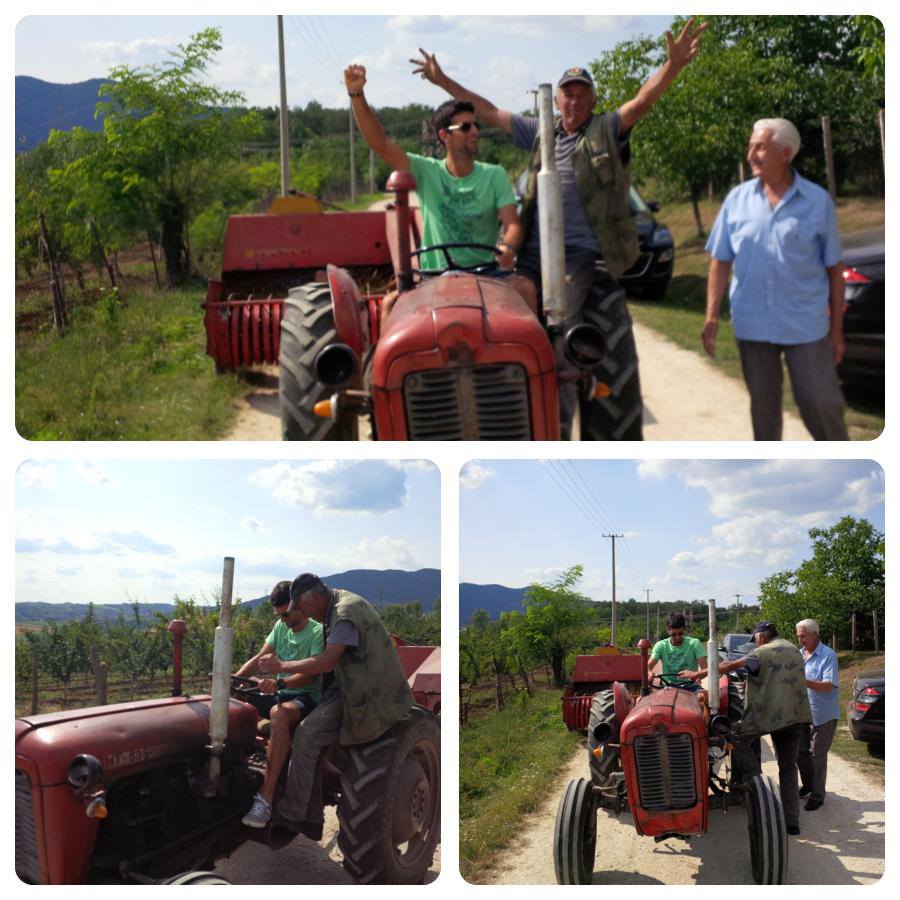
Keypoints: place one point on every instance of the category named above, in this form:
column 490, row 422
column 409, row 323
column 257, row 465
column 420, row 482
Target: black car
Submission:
column 865, row 713
column 863, row 362
column 735, row 646
column 650, row 275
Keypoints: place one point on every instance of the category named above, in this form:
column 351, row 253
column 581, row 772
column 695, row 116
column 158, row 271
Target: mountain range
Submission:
column 492, row 598
column 42, row 106
column 381, row 587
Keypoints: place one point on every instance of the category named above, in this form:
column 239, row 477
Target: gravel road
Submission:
column 301, row 862
column 685, row 399
column 840, row 843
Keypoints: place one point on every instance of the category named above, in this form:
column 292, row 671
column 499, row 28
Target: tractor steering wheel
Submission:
column 673, row 679
column 242, row 685
column 452, row 265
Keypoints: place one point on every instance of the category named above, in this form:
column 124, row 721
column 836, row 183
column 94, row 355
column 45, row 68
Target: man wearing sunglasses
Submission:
column 285, row 698
column 678, row 653
column 462, row 200
column 592, row 156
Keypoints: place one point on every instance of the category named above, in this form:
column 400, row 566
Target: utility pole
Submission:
column 612, row 537
column 352, row 161
column 647, row 592
column 737, row 627
column 283, row 115
column 657, row 618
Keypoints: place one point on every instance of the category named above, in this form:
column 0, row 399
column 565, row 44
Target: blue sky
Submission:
column 500, row 56
column 694, row 529
column 114, row 531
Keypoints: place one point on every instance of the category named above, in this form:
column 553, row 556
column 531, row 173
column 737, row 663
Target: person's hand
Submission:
column 507, row 259
column 428, row 67
column 268, row 686
column 687, row 674
column 269, row 663
column 686, row 46
column 355, row 78
column 708, row 336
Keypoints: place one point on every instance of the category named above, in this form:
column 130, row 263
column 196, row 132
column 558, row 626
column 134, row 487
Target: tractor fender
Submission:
column 622, row 700
column 351, row 318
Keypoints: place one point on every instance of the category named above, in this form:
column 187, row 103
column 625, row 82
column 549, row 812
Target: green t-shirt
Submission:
column 456, row 210
column 298, row 645
column 676, row 659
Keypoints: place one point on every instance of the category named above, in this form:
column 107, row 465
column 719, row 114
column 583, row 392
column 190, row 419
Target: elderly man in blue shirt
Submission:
column 821, row 667
column 776, row 241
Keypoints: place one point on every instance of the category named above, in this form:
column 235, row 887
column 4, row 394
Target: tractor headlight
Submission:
column 84, row 772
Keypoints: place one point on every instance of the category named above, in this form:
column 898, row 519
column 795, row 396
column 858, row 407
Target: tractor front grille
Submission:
column 665, row 771
column 476, row 403
column 26, row 837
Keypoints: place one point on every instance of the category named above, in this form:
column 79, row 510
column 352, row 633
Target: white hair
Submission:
column 784, row 133
column 810, row 625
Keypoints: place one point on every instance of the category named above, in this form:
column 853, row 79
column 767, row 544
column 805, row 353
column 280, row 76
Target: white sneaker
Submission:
column 259, row 814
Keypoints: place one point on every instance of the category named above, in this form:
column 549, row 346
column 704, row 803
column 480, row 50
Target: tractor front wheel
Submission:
column 768, row 835
column 390, row 806
column 575, row 834
column 603, row 712
column 307, row 326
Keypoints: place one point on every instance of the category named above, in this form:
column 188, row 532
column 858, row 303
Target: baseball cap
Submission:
column 576, row 74
column 766, row 628
column 303, row 583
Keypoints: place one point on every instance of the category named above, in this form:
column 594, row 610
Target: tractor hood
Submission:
column 125, row 737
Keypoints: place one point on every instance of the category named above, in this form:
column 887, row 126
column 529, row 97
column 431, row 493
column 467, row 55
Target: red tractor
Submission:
column 664, row 757
column 460, row 357
column 150, row 790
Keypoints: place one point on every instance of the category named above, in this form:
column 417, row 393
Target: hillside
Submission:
column 492, row 598
column 380, row 587
column 42, row 106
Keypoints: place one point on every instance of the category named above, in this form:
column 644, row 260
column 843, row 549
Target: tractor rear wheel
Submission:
column 618, row 417
column 390, row 806
column 603, row 711
column 307, row 326
column 575, row 834
column 768, row 835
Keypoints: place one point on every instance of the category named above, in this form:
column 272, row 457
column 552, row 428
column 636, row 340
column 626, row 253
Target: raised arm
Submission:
column 369, row 126
column 680, row 52
column 429, row 69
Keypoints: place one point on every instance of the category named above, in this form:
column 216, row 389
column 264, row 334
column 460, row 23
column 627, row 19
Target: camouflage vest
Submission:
column 603, row 184
column 776, row 694
column 374, row 690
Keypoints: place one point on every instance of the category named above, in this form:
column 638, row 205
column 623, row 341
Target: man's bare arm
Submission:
column 369, row 126
column 719, row 274
column 512, row 236
column 429, row 69
column 313, row 665
column 680, row 52
column 252, row 664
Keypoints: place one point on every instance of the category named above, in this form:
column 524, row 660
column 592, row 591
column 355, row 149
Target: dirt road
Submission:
column 841, row 843
column 301, row 862
column 685, row 399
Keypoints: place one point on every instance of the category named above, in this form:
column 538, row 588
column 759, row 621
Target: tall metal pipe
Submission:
column 550, row 213
column 712, row 660
column 221, row 681
column 177, row 628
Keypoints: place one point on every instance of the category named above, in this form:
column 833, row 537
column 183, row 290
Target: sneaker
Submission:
column 812, row 804
column 792, row 829
column 259, row 814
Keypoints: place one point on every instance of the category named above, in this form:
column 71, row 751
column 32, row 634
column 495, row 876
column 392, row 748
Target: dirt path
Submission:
column 685, row 399
column 302, row 862
column 841, row 843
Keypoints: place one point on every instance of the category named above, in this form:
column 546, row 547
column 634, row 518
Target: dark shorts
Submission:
column 264, row 703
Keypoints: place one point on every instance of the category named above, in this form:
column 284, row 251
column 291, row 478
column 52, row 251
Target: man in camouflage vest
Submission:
column 592, row 156
column 364, row 693
column 776, row 704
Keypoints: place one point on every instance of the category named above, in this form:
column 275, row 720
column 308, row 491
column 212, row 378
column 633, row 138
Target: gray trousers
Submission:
column 302, row 800
column 812, row 760
column 814, row 384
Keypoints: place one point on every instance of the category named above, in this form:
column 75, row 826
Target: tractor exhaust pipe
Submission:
column 550, row 212
column 177, row 628
column 401, row 183
column 221, row 680
column 712, row 661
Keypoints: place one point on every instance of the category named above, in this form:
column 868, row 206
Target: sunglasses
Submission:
column 464, row 127
column 676, row 633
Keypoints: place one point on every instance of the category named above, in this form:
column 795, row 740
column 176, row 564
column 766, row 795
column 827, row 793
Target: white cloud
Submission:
column 140, row 50
column 473, row 475
column 93, row 474
column 254, row 525
column 38, row 474
column 382, row 553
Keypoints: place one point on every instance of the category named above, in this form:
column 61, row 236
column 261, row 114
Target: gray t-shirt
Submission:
column 580, row 239
column 344, row 632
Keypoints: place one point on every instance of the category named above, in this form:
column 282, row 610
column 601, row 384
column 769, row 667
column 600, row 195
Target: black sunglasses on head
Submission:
column 464, row 127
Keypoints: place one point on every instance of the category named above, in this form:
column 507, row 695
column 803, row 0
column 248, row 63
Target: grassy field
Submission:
column 680, row 316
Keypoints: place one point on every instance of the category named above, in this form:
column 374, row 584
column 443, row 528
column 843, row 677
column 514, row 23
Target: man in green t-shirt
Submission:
column 678, row 652
column 462, row 200
column 285, row 698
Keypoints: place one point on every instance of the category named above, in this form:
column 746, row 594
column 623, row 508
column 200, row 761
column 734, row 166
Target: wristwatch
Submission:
column 280, row 683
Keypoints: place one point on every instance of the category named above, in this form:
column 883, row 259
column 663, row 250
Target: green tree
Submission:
column 63, row 653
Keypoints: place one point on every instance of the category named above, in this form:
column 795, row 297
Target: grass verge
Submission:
column 507, row 760
column 680, row 317
column 124, row 371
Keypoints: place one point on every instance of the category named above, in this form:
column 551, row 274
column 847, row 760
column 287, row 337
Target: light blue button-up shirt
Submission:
column 779, row 286
column 822, row 665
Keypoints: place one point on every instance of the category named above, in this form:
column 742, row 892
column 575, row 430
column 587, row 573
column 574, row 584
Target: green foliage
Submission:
column 410, row 622
column 844, row 575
